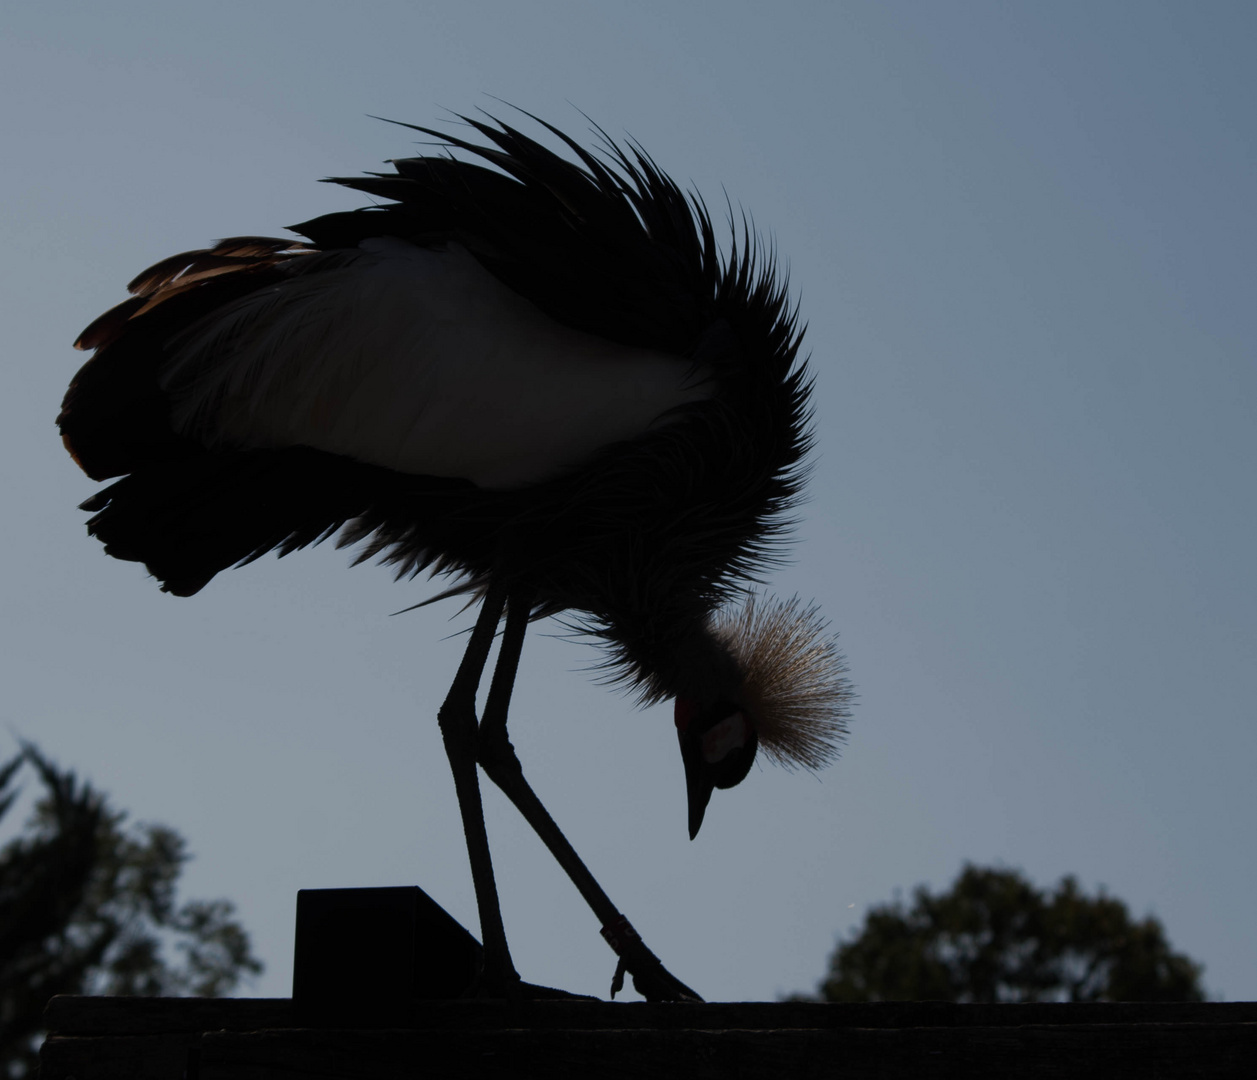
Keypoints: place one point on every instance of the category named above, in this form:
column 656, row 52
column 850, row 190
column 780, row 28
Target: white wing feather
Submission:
column 419, row 360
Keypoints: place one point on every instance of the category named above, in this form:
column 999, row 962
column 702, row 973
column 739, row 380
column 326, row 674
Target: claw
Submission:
column 617, row 980
column 657, row 983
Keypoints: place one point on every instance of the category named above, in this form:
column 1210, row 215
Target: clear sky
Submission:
column 1023, row 239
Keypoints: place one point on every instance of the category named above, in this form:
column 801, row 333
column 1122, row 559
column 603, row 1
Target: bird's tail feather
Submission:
column 187, row 520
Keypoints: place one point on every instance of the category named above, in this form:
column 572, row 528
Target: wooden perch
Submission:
column 260, row 1039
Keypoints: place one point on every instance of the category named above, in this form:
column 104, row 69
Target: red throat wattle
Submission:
column 684, row 712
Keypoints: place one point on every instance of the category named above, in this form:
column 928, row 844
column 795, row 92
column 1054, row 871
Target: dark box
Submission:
column 369, row 952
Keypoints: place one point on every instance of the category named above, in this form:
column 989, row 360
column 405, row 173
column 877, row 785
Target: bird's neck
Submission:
column 686, row 661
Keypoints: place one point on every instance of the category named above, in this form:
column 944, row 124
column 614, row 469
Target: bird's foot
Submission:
column 655, row 982
column 650, row 978
column 496, row 979
column 498, row 983
column 515, row 990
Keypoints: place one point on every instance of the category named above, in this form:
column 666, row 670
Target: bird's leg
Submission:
column 498, row 759
column 457, row 718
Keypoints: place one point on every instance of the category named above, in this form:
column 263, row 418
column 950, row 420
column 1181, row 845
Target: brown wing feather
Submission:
column 115, row 417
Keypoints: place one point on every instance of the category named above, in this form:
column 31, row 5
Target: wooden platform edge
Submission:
column 263, row 1039
column 75, row 1015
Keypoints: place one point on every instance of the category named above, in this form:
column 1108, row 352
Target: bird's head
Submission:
column 718, row 745
column 789, row 695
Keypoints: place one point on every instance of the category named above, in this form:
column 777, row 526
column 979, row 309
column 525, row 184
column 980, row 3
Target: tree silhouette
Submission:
column 87, row 906
column 995, row 937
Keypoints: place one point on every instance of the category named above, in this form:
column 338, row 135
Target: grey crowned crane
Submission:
column 536, row 374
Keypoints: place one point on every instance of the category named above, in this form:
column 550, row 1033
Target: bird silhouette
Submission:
column 537, row 374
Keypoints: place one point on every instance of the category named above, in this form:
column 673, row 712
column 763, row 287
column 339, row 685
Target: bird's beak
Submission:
column 698, row 789
column 717, row 749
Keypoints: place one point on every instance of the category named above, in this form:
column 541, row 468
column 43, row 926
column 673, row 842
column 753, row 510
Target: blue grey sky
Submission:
column 1023, row 239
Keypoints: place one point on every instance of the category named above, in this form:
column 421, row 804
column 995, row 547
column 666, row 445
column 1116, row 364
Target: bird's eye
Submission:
column 723, row 738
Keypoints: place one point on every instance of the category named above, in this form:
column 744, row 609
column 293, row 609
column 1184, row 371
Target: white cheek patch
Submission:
column 730, row 734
